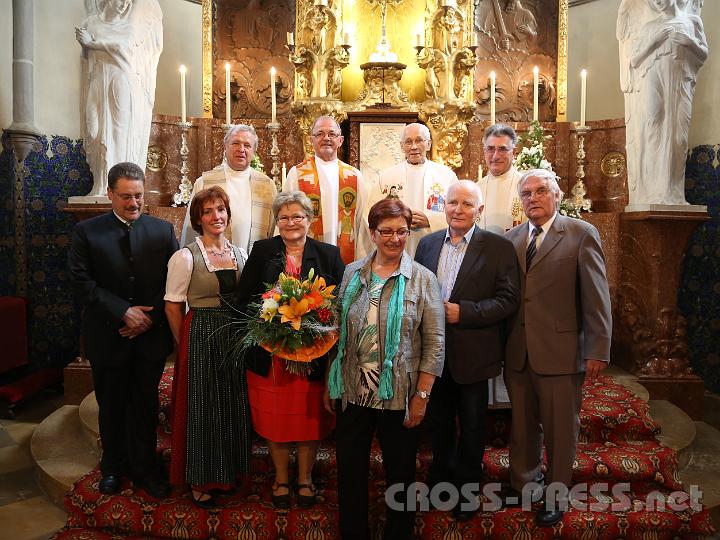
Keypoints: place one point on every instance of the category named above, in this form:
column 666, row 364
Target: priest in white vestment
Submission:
column 503, row 209
column 419, row 183
column 337, row 191
column 251, row 192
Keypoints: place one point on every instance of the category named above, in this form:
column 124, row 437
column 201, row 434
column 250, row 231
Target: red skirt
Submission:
column 287, row 407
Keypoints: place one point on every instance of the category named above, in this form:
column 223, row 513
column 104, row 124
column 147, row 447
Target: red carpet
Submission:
column 617, row 444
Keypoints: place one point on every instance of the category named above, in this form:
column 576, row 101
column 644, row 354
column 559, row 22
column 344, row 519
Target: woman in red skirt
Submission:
column 288, row 408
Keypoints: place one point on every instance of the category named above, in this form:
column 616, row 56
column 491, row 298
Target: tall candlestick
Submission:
column 284, row 175
column 227, row 93
column 272, row 94
column 583, row 96
column 492, row 97
column 536, row 82
column 183, row 107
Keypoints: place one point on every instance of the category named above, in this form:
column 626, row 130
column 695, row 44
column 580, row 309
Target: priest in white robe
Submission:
column 503, row 209
column 419, row 183
column 251, row 192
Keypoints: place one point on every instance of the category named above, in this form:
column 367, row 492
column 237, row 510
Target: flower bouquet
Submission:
column 294, row 320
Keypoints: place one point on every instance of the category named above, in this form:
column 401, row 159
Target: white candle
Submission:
column 480, row 175
column 272, row 94
column 290, row 38
column 583, row 96
column 284, row 175
column 346, row 38
column 492, row 97
column 183, row 108
column 227, row 93
column 536, row 82
column 419, row 40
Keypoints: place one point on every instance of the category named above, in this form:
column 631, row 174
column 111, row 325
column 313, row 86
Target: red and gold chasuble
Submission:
column 309, row 183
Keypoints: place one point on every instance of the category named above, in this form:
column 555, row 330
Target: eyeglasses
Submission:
column 414, row 142
column 332, row 135
column 128, row 198
column 388, row 233
column 498, row 149
column 284, row 220
column 540, row 193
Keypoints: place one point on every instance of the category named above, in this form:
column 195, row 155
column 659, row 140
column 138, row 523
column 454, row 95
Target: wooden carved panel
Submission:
column 513, row 37
column 251, row 35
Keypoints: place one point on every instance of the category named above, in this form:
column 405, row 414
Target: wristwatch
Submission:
column 422, row 394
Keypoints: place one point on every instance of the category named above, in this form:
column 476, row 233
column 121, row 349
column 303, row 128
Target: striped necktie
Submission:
column 532, row 247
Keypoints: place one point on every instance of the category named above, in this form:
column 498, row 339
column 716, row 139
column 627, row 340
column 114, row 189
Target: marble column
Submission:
column 22, row 132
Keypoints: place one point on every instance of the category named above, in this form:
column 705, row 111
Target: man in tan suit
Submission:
column 560, row 334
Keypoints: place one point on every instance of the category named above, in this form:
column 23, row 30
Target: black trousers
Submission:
column 127, row 396
column 355, row 427
column 457, row 459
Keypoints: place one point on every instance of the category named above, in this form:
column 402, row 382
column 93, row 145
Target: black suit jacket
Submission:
column 113, row 268
column 266, row 262
column 487, row 289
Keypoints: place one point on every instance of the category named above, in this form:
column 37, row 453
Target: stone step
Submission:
column 703, row 470
column 61, row 452
column 628, row 380
column 678, row 429
column 88, row 413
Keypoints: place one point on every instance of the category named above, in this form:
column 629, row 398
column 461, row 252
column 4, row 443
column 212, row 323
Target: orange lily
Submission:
column 294, row 311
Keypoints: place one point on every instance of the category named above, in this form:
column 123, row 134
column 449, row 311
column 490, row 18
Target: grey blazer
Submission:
column 565, row 316
column 422, row 334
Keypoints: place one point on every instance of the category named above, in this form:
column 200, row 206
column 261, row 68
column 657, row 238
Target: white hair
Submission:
column 238, row 128
column 549, row 178
column 325, row 117
column 470, row 185
column 424, row 131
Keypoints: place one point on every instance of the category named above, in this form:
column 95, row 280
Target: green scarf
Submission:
column 392, row 338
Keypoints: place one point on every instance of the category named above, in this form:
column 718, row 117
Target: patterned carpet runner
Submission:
column 617, row 445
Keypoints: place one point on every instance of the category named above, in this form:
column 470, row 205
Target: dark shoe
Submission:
column 306, row 501
column 154, row 487
column 205, row 504
column 109, row 484
column 548, row 518
column 223, row 492
column 280, row 502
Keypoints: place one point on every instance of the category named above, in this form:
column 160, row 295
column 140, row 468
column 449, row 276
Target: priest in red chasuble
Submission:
column 336, row 190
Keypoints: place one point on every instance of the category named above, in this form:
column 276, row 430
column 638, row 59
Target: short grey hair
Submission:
column 237, row 128
column 285, row 198
column 548, row 177
column 501, row 130
column 325, row 117
column 423, row 130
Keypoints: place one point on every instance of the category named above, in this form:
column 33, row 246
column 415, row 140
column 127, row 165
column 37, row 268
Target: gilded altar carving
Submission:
column 448, row 121
column 613, row 164
column 382, row 86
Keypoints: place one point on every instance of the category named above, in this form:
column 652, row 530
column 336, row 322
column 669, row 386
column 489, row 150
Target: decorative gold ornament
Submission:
column 382, row 86
column 157, row 158
column 562, row 61
column 448, row 122
column 207, row 64
column 613, row 164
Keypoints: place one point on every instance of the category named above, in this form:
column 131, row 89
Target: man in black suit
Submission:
column 118, row 264
column 480, row 283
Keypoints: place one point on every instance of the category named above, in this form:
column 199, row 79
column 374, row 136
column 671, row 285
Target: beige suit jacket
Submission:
column 565, row 315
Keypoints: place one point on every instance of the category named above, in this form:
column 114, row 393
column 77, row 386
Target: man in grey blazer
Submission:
column 478, row 274
column 560, row 335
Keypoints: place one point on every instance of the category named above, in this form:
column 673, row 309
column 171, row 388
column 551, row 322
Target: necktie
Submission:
column 532, row 247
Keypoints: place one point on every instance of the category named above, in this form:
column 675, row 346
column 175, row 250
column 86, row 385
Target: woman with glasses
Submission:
column 288, row 408
column 391, row 348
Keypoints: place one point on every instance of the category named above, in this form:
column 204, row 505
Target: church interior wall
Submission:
column 5, row 63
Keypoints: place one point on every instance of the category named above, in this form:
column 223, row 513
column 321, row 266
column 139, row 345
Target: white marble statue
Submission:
column 662, row 47
column 121, row 42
